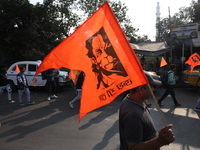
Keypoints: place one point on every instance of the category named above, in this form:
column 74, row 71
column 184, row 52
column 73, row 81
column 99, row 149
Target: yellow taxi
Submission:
column 191, row 77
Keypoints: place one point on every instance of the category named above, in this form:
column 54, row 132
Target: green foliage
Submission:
column 120, row 10
column 196, row 11
column 184, row 16
column 14, row 27
column 30, row 32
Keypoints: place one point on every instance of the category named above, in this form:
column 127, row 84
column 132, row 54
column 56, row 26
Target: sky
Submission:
column 143, row 13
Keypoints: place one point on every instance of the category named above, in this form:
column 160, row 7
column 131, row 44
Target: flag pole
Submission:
column 159, row 110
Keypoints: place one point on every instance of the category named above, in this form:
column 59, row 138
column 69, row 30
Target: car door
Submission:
column 34, row 81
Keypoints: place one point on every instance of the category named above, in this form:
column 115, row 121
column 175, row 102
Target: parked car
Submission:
column 154, row 75
column 191, row 77
column 31, row 67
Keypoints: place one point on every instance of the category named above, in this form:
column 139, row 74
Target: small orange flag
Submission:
column 194, row 60
column 17, row 68
column 163, row 62
column 100, row 49
column 73, row 75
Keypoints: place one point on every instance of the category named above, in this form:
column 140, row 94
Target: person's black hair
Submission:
column 172, row 66
column 133, row 90
column 20, row 68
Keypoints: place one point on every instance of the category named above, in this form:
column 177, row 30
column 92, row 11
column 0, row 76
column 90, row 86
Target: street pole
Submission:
column 182, row 58
column 170, row 36
column 191, row 51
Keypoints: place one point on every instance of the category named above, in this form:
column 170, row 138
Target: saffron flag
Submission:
column 73, row 75
column 163, row 62
column 100, row 49
column 194, row 60
column 17, row 68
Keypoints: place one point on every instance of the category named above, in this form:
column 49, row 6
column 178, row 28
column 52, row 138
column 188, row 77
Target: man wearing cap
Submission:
column 137, row 130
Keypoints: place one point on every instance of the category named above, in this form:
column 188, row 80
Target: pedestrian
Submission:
column 136, row 127
column 23, row 87
column 170, row 87
column 5, row 83
column 142, row 59
column 78, row 88
column 50, row 77
column 197, row 108
column 56, row 86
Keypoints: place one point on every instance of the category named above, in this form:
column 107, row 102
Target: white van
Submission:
column 31, row 67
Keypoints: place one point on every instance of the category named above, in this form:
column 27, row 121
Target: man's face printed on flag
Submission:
column 196, row 59
column 105, row 62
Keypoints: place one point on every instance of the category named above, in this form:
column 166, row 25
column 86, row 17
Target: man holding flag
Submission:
column 136, row 126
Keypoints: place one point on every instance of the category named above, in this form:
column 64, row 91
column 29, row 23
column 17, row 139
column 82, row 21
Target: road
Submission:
column 54, row 125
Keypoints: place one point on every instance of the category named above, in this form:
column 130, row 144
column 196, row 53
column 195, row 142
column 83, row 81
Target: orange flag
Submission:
column 17, row 68
column 100, row 49
column 194, row 60
column 163, row 62
column 73, row 75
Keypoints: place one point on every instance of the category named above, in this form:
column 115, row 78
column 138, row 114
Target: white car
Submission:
column 31, row 67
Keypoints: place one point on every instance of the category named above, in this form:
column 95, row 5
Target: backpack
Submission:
column 164, row 80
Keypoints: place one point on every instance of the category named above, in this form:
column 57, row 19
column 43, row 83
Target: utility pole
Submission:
column 170, row 36
column 157, row 18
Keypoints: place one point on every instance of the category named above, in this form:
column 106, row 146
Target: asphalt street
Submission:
column 51, row 125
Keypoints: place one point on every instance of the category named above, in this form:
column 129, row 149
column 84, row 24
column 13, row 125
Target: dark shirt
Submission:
column 49, row 74
column 80, row 81
column 3, row 79
column 21, row 81
column 135, row 123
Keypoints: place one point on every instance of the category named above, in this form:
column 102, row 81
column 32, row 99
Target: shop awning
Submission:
column 150, row 48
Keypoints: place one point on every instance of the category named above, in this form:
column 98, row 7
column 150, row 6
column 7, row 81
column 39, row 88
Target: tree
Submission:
column 29, row 32
column 14, row 27
column 196, row 11
column 184, row 16
column 120, row 10
column 53, row 21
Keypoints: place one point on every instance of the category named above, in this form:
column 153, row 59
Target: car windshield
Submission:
column 17, row 66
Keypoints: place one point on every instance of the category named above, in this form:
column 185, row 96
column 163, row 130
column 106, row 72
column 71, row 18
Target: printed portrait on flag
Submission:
column 196, row 58
column 105, row 62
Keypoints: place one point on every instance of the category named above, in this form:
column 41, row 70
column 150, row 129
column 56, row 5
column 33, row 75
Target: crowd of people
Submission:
column 51, row 75
column 53, row 88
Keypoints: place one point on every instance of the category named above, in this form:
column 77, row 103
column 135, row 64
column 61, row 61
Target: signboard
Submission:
column 196, row 42
column 189, row 31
